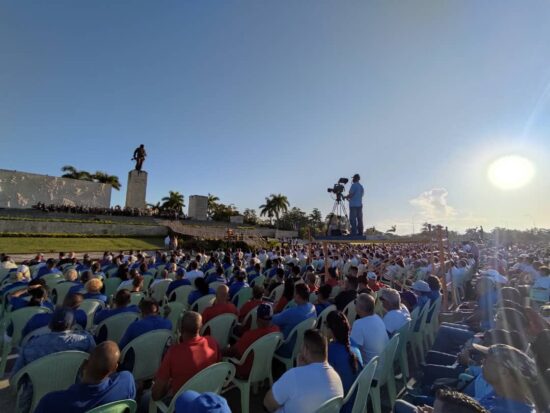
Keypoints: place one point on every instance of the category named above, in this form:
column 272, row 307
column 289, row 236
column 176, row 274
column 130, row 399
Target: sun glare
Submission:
column 511, row 172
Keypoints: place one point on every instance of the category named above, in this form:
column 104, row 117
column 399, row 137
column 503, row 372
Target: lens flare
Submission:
column 511, row 172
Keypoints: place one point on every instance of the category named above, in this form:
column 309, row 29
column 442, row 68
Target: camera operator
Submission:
column 355, row 198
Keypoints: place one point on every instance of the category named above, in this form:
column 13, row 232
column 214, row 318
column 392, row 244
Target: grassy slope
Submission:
column 32, row 245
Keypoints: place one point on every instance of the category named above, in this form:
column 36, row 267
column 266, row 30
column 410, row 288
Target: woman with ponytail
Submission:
column 342, row 356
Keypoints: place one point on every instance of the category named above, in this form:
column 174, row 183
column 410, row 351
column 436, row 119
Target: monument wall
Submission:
column 23, row 190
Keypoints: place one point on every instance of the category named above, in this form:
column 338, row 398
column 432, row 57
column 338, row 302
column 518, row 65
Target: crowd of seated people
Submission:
column 117, row 210
column 489, row 352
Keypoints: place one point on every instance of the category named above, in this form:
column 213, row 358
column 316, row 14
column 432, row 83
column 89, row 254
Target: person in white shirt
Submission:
column 306, row 387
column 396, row 315
column 369, row 331
column 193, row 272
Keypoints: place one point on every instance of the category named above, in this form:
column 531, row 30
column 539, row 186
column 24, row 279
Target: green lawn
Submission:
column 23, row 245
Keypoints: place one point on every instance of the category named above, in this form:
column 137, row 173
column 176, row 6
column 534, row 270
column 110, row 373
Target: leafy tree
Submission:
column 105, row 178
column 73, row 173
column 250, row 216
column 222, row 212
column 295, row 219
column 275, row 206
column 174, row 201
column 212, row 202
column 267, row 210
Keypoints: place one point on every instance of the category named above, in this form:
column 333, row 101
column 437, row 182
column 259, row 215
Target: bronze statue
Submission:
column 139, row 157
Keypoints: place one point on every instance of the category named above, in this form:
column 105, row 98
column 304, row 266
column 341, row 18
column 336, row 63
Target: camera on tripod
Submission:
column 338, row 188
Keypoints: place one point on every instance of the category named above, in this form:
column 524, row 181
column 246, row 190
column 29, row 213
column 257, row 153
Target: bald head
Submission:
column 191, row 324
column 222, row 294
column 102, row 363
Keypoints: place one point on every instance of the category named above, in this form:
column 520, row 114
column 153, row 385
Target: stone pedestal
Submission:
column 198, row 207
column 136, row 189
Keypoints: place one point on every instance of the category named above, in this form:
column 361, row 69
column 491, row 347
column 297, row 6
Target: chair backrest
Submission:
column 335, row 290
column 136, row 297
column 244, row 294
column 290, row 304
column 403, row 337
column 52, row 276
column 215, row 284
column 202, row 303
column 49, row 373
column 313, row 298
column 181, row 294
column 148, row 350
column 350, row 312
column 331, row 406
column 60, row 290
column 147, row 280
column 260, row 280
column 263, row 350
column 298, row 331
column 117, row 324
column 111, row 285
column 220, row 328
column 90, row 306
column 211, row 379
column 361, row 387
column 321, row 318
column 121, row 406
column 251, row 319
column 20, row 317
column 277, row 293
column 176, row 311
column 159, row 290
column 386, row 359
column 539, row 295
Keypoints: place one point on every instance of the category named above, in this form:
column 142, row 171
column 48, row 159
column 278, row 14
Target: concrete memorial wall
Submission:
column 23, row 190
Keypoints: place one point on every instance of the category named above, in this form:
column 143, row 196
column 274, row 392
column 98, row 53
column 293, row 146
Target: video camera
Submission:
column 338, row 188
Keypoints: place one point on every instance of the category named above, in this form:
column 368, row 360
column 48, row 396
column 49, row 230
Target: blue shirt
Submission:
column 357, row 191
column 339, row 359
column 215, row 278
column 321, row 306
column 139, row 327
column 104, row 314
column 236, row 287
column 43, row 319
column 44, row 270
column 497, row 404
column 79, row 398
column 290, row 318
column 96, row 296
column 53, row 342
column 175, row 284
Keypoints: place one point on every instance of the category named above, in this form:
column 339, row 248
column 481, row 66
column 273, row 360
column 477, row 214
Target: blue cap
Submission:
column 265, row 311
column 192, row 402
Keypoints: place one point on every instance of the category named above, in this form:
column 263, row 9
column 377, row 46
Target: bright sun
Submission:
column 511, row 172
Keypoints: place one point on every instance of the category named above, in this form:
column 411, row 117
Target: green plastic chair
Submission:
column 335, row 291
column 117, row 324
column 220, row 328
column 298, row 332
column 203, row 303
column 331, row 406
column 384, row 375
column 433, row 324
column 215, row 284
column 181, row 294
column 148, row 351
column 147, row 281
column 322, row 319
column 361, row 387
column 350, row 312
column 136, row 297
column 19, row 319
column 52, row 276
column 211, row 379
column 52, row 282
column 60, row 290
column 417, row 337
column 159, row 290
column 174, row 315
column 50, row 373
column 401, row 352
column 290, row 304
column 242, row 297
column 263, row 350
column 111, row 285
column 90, row 306
column 122, row 406
column 251, row 319
column 277, row 293
column 259, row 280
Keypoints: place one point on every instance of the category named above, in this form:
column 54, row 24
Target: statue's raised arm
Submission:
column 139, row 157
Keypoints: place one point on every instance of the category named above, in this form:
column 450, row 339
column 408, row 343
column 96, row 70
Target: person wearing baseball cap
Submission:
column 192, row 402
column 373, row 283
column 355, row 198
column 422, row 291
column 264, row 313
column 513, row 376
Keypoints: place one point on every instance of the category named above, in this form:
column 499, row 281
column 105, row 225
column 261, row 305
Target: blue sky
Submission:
column 243, row 99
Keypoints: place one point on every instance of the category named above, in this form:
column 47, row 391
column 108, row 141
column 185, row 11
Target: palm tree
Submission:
column 267, row 209
column 105, row 178
column 212, row 202
column 174, row 200
column 73, row 173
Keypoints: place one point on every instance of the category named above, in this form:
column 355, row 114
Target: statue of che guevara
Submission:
column 139, row 157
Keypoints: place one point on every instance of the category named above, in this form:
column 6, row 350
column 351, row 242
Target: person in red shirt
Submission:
column 222, row 305
column 332, row 278
column 255, row 301
column 265, row 326
column 372, row 282
column 182, row 361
